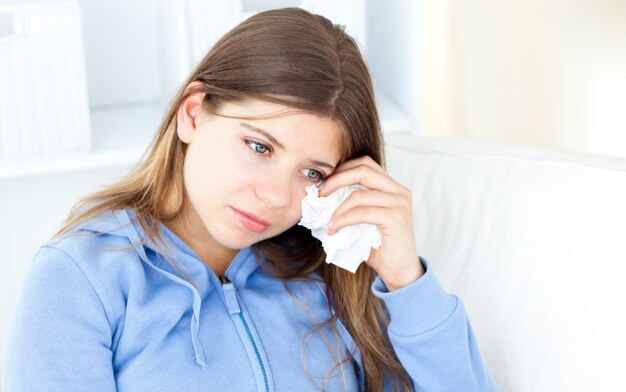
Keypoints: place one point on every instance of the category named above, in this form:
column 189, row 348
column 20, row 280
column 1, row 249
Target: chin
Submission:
column 235, row 243
column 239, row 240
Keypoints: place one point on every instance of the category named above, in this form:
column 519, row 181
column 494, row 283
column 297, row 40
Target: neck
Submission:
column 189, row 228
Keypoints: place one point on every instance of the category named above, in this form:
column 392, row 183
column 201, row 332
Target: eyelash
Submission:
column 251, row 144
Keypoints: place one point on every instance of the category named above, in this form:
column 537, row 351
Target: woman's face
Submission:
column 239, row 172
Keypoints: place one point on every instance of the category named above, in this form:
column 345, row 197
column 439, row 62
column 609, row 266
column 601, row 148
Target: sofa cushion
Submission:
column 534, row 242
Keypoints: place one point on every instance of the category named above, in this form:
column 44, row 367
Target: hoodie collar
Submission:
column 125, row 224
column 121, row 221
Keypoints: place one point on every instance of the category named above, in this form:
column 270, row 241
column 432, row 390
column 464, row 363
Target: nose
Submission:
column 274, row 190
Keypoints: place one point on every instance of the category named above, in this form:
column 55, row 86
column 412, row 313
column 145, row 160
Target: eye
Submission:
column 258, row 147
column 314, row 175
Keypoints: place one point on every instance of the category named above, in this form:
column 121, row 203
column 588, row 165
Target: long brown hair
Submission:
column 294, row 58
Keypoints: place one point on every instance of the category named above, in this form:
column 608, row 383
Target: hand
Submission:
column 386, row 204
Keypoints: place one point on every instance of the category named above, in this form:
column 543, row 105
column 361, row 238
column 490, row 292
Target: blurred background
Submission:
column 84, row 83
column 547, row 73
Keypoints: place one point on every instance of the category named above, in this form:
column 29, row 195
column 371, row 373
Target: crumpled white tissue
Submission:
column 351, row 245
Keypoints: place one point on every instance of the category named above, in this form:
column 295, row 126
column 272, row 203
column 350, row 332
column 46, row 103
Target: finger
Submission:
column 363, row 175
column 364, row 160
column 370, row 198
column 382, row 217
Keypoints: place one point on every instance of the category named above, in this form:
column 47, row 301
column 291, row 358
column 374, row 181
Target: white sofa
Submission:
column 534, row 242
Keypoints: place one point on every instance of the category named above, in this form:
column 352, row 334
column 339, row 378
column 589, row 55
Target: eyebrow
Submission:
column 262, row 132
column 276, row 142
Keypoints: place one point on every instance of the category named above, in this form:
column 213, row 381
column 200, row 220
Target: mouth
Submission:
column 251, row 221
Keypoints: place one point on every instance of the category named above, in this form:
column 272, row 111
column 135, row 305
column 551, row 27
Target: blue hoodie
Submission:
column 97, row 314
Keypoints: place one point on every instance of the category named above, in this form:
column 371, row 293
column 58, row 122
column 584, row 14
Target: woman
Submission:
column 191, row 273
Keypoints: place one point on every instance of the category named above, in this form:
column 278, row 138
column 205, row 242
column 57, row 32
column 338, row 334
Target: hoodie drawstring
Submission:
column 133, row 236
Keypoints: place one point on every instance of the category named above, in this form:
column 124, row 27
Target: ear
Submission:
column 189, row 109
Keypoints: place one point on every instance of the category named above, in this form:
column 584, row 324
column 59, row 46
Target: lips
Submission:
column 250, row 221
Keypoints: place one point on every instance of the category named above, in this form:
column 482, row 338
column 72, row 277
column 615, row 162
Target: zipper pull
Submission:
column 230, row 295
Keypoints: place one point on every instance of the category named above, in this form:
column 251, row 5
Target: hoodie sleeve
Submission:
column 432, row 336
column 59, row 338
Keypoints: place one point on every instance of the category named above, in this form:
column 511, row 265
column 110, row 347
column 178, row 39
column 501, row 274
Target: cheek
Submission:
column 194, row 181
column 217, row 169
column 204, row 173
column 296, row 210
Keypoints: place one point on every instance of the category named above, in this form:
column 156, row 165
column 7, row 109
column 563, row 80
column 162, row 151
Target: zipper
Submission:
column 233, row 307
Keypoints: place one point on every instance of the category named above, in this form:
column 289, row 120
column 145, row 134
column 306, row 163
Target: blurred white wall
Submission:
column 549, row 73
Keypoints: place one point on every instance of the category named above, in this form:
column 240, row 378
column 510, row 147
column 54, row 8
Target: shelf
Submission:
column 121, row 135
